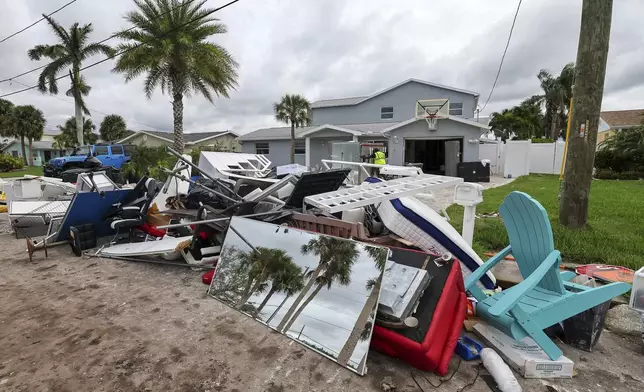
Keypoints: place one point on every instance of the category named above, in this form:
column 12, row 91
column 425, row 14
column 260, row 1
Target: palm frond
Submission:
column 63, row 36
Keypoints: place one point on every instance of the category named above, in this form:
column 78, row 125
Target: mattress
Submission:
column 418, row 223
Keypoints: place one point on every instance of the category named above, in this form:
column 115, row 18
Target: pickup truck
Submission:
column 114, row 155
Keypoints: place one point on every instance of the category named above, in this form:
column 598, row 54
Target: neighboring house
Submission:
column 616, row 120
column 43, row 149
column 224, row 140
column 386, row 117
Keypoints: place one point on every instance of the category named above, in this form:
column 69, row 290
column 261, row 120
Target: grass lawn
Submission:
column 33, row 170
column 614, row 233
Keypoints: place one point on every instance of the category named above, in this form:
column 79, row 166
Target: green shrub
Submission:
column 542, row 140
column 607, row 174
column 146, row 160
column 196, row 152
column 9, row 163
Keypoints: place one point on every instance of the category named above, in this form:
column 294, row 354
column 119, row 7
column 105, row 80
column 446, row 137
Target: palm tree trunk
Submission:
column 22, row 145
column 553, row 126
column 177, row 113
column 31, row 152
column 78, row 110
column 363, row 318
column 265, row 301
column 299, row 298
column 292, row 142
column 301, row 308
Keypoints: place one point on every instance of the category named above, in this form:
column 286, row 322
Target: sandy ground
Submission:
column 75, row 324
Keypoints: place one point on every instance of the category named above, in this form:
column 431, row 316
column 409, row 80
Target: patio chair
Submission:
column 544, row 297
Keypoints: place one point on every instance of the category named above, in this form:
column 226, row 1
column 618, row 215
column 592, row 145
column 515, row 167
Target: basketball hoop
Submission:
column 431, row 121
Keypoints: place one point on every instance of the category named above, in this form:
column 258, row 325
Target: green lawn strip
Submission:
column 33, row 170
column 615, row 230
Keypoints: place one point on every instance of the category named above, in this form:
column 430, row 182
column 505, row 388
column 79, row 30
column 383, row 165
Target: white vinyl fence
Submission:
column 520, row 157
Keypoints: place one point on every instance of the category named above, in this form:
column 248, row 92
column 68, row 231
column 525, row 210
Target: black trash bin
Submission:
column 583, row 330
column 474, row 171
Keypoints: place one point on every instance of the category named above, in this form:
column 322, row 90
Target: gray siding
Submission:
column 279, row 151
column 403, row 99
column 446, row 130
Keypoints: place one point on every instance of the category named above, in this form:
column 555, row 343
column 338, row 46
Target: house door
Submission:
column 452, row 157
column 47, row 155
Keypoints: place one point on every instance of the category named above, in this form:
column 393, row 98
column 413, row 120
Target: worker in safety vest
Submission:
column 379, row 157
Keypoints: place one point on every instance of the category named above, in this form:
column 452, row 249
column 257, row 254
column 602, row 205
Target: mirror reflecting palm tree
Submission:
column 288, row 280
column 337, row 256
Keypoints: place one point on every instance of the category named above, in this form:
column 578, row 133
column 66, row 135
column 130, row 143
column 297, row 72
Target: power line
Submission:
column 129, row 49
column 35, row 23
column 100, row 42
column 503, row 57
column 90, row 109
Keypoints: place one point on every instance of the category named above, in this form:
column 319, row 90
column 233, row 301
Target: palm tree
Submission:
column 29, row 123
column 337, row 257
column 288, row 279
column 113, row 128
column 264, row 262
column 379, row 257
column 295, row 110
column 557, row 91
column 6, row 118
column 73, row 48
column 67, row 137
column 168, row 43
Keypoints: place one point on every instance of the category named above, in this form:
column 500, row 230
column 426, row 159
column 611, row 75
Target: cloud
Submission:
column 336, row 49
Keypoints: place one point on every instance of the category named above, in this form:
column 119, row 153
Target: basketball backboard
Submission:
column 431, row 110
column 432, row 107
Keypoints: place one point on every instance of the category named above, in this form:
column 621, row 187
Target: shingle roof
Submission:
column 277, row 133
column 325, row 103
column 355, row 100
column 187, row 137
column 623, row 118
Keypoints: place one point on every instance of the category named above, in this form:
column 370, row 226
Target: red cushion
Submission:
column 437, row 348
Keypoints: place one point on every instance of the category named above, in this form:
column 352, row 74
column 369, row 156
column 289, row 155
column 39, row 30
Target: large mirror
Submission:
column 319, row 290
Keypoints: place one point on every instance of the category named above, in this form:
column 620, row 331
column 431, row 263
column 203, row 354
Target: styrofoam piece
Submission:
column 525, row 356
column 354, row 215
column 173, row 186
column 148, row 248
column 293, row 168
column 500, row 371
column 223, row 164
column 374, row 193
column 402, row 286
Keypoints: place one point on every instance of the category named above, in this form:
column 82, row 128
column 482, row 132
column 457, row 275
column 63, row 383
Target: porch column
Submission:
column 307, row 151
column 355, row 138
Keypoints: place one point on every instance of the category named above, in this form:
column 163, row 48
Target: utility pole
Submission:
column 590, row 70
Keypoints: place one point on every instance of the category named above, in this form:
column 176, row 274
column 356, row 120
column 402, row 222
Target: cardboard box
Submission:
column 524, row 356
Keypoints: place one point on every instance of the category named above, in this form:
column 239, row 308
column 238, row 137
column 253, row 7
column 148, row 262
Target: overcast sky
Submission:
column 338, row 48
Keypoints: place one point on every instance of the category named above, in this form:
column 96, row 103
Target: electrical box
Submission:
column 468, row 194
column 637, row 293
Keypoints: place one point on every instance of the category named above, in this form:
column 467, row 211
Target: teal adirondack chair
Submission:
column 545, row 296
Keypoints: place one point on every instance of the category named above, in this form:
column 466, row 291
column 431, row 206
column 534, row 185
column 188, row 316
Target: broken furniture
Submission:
column 359, row 170
column 440, row 313
column 545, row 296
column 174, row 186
column 132, row 214
column 329, row 226
column 318, row 290
column 91, row 207
column 425, row 228
column 233, row 164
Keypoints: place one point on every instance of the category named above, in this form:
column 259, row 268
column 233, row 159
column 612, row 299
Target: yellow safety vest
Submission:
column 380, row 158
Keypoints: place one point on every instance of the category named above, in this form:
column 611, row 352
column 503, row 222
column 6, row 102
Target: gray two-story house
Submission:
column 387, row 117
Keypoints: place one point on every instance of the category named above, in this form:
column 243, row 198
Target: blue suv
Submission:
column 114, row 155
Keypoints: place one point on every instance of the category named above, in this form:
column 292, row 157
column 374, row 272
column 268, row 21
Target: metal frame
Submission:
column 367, row 194
column 361, row 167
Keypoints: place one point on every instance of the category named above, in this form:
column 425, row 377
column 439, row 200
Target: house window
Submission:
column 261, row 148
column 300, row 147
column 386, row 112
column 15, row 154
column 456, row 109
